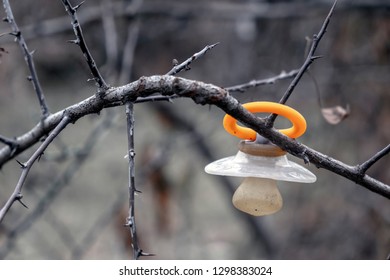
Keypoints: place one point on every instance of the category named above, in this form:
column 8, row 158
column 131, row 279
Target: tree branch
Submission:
column 201, row 93
column 137, row 251
column 80, row 41
column 185, row 65
column 268, row 81
column 308, row 61
column 17, row 194
column 370, row 162
column 27, row 57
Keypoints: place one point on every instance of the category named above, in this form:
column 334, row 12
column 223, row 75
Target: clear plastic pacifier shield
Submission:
column 261, row 161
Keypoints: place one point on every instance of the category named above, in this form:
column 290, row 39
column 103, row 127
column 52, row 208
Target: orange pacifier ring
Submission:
column 297, row 120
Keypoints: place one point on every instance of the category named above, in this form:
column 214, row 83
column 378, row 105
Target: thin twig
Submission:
column 370, row 162
column 176, row 69
column 255, row 83
column 157, row 98
column 137, row 251
column 17, row 194
column 308, row 61
column 80, row 41
column 27, row 57
column 185, row 65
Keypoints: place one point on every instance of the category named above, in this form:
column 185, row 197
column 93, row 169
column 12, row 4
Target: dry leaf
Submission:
column 336, row 114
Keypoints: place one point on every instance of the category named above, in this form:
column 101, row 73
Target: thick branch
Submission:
column 27, row 57
column 201, row 93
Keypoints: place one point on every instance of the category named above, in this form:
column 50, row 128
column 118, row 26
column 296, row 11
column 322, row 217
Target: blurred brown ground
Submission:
column 182, row 212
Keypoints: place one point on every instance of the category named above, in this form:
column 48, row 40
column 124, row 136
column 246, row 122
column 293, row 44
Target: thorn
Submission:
column 316, row 57
column 29, row 78
column 19, row 197
column 75, row 41
column 137, row 191
column 175, row 62
column 213, row 45
column 129, row 223
column 132, row 153
column 22, row 165
column 39, row 157
column 141, row 253
column 78, row 6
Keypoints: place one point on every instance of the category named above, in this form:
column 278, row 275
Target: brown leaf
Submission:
column 336, row 114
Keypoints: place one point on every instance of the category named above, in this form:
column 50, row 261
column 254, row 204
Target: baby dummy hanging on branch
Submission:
column 260, row 162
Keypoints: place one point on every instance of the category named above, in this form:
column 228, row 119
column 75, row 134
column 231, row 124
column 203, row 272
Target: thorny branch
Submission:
column 80, row 41
column 132, row 189
column 17, row 194
column 185, row 65
column 137, row 251
column 200, row 93
column 308, row 61
column 268, row 81
column 27, row 57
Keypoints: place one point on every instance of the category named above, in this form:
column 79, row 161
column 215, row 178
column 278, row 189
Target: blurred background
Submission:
column 77, row 193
